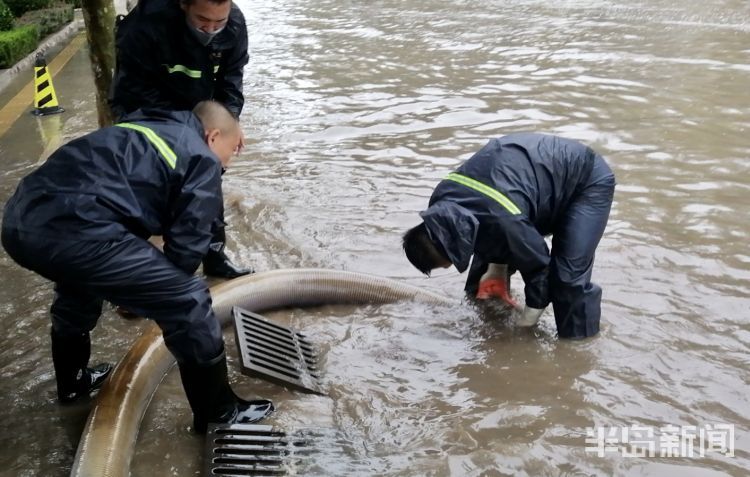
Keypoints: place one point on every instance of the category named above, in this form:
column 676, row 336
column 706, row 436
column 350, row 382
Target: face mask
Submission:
column 203, row 37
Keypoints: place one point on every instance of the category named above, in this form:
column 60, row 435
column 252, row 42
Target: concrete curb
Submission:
column 62, row 36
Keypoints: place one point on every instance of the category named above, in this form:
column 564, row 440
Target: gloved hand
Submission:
column 494, row 284
column 529, row 316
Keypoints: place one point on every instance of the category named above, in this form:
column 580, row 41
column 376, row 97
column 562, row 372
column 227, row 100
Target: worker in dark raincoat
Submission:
column 498, row 207
column 171, row 54
column 82, row 220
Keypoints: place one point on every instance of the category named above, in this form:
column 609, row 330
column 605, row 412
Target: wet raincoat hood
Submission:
column 455, row 228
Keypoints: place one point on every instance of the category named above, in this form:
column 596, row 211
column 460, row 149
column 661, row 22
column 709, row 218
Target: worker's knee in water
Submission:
column 577, row 312
column 578, row 327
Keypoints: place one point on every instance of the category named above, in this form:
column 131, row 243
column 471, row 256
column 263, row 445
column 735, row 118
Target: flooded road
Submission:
column 354, row 112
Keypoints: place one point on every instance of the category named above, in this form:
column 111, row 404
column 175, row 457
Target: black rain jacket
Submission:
column 540, row 174
column 160, row 64
column 115, row 181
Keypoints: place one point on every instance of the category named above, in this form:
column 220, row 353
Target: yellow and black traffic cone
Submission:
column 45, row 99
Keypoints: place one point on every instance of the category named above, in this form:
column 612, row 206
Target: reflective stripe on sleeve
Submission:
column 486, row 190
column 185, row 70
column 166, row 152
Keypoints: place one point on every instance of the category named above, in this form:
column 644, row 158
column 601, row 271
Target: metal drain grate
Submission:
column 275, row 353
column 250, row 450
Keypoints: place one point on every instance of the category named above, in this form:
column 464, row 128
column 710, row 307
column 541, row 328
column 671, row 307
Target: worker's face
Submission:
column 224, row 145
column 206, row 16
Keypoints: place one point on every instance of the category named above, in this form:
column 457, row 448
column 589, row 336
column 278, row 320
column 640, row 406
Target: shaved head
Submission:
column 214, row 115
column 221, row 130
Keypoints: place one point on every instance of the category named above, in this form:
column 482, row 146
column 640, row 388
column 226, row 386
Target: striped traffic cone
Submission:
column 45, row 99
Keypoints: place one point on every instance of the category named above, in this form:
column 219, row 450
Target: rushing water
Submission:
column 354, row 112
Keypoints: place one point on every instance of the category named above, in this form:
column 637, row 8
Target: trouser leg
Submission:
column 132, row 273
column 138, row 277
column 128, row 272
column 135, row 275
column 575, row 299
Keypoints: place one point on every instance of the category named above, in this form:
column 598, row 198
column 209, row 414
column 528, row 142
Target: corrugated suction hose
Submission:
column 108, row 440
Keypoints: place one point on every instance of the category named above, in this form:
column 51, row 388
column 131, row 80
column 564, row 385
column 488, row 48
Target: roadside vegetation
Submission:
column 24, row 23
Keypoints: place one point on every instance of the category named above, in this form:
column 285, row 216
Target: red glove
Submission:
column 495, row 288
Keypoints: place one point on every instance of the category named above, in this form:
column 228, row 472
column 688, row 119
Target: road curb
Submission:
column 62, row 36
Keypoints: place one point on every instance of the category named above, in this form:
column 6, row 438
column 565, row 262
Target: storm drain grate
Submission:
column 275, row 353
column 250, row 450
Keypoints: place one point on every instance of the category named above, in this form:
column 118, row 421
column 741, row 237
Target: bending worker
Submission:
column 172, row 54
column 82, row 220
column 500, row 204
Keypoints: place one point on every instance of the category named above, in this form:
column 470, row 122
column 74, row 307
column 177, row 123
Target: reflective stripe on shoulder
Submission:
column 486, row 190
column 166, row 152
column 185, row 70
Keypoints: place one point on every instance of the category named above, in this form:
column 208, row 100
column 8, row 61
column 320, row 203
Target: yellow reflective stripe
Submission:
column 486, row 190
column 216, row 68
column 185, row 70
column 166, row 152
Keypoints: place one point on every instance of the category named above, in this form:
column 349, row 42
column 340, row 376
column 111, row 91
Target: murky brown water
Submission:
column 354, row 111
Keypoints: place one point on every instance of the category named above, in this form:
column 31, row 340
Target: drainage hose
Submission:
column 108, row 440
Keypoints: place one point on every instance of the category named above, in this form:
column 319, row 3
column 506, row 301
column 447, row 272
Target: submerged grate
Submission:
column 275, row 353
column 250, row 450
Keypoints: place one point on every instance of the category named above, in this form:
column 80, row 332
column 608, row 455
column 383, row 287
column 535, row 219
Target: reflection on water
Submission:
column 354, row 112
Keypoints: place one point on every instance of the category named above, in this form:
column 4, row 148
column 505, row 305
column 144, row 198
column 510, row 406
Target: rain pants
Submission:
column 501, row 203
column 83, row 218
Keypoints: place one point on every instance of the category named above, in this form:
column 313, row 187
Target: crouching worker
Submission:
column 83, row 219
column 500, row 204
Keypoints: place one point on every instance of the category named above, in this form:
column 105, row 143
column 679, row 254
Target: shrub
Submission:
column 49, row 20
column 19, row 7
column 6, row 17
column 17, row 43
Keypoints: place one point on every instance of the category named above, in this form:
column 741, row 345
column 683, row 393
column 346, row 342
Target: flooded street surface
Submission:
column 354, row 111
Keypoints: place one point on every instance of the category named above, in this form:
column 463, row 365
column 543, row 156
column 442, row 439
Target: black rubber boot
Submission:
column 216, row 263
column 211, row 397
column 70, row 356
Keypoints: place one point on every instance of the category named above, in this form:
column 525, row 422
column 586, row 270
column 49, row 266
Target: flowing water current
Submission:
column 354, row 111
